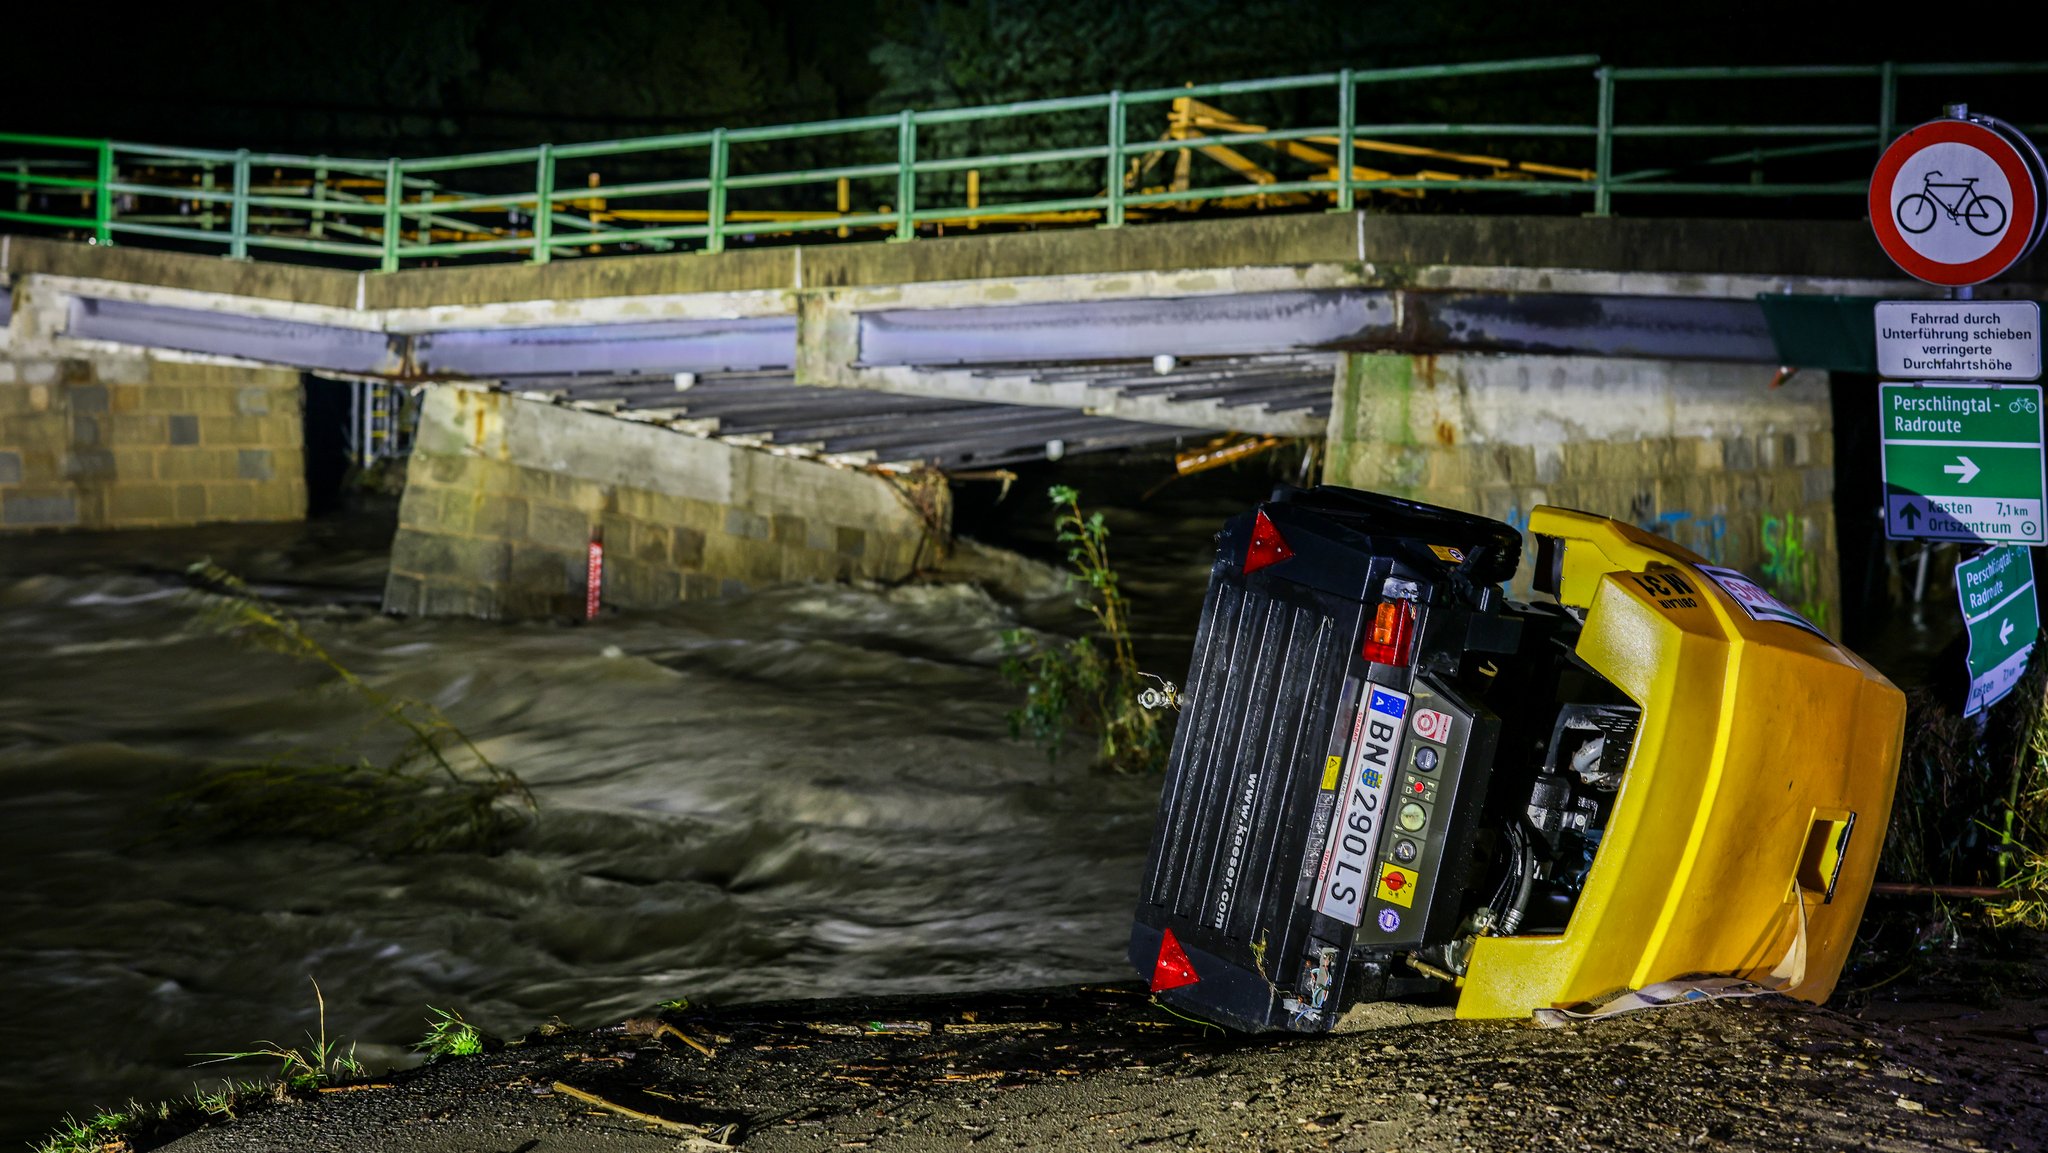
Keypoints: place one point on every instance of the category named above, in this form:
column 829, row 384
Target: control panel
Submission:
column 1425, row 850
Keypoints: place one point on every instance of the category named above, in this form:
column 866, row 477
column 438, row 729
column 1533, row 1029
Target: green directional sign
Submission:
column 1963, row 462
column 1996, row 589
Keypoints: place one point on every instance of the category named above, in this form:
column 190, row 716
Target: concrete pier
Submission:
column 1721, row 458
column 504, row 495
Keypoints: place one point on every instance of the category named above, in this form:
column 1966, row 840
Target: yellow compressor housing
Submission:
column 1755, row 800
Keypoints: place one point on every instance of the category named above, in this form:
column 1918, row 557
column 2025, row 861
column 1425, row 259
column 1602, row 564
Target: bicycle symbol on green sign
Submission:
column 1917, row 211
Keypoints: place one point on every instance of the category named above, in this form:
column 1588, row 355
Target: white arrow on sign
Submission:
column 2005, row 632
column 1964, row 472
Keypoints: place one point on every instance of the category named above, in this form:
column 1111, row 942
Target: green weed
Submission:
column 2023, row 830
column 99, row 1132
column 1972, row 802
column 221, row 1103
column 1090, row 682
column 438, row 791
column 1962, row 808
column 321, row 1061
column 448, row 1035
column 149, row 1125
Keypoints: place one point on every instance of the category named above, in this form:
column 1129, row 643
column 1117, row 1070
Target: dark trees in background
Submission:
column 377, row 77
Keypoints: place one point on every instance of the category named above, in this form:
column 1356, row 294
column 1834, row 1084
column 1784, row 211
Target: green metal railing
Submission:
column 685, row 189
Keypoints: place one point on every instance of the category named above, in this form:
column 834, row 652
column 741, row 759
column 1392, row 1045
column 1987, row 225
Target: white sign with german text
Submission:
column 1959, row 339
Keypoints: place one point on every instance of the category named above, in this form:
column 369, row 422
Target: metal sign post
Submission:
column 1996, row 590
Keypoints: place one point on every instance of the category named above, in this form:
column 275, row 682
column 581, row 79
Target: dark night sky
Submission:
column 377, row 77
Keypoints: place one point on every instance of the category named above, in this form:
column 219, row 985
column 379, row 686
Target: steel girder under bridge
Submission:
column 963, row 388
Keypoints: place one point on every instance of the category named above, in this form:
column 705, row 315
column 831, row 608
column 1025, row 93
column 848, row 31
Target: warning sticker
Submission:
column 1331, row 769
column 1432, row 725
column 1759, row 604
column 1397, row 885
column 1446, row 552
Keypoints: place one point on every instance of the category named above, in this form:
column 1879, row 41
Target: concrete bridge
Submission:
column 730, row 419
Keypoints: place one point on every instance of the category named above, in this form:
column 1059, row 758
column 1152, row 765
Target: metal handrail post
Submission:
column 207, row 183
column 1113, row 211
column 1887, row 103
column 318, row 227
column 721, row 151
column 394, row 187
column 1603, row 155
column 543, row 203
column 906, row 176
column 102, row 199
column 1347, row 146
column 238, row 210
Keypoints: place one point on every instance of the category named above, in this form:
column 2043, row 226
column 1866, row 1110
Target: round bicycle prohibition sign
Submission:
column 1953, row 203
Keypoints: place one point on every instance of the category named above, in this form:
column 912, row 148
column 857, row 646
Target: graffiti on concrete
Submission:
column 1789, row 570
column 1705, row 535
column 1783, row 560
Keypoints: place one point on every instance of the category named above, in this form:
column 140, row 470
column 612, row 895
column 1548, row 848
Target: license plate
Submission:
column 1347, row 862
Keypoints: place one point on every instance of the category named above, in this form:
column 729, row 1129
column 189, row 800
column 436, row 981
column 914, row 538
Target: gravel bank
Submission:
column 1100, row 1067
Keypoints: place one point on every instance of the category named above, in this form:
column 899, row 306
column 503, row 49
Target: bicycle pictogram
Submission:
column 1916, row 212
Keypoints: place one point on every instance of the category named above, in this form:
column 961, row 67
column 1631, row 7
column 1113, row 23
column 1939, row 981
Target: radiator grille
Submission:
column 1263, row 689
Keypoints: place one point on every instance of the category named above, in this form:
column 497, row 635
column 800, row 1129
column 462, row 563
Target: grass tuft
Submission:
column 448, row 1035
column 149, row 1125
column 321, row 1061
column 438, row 791
column 100, row 1133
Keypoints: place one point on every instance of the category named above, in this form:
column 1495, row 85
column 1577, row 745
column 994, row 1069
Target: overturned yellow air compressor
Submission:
column 1388, row 779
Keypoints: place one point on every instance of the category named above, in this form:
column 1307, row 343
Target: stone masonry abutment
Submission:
column 504, row 496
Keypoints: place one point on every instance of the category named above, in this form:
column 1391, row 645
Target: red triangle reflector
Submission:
column 1173, row 969
column 1267, row 547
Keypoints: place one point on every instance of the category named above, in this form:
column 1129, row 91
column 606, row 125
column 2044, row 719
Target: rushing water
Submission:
column 807, row 791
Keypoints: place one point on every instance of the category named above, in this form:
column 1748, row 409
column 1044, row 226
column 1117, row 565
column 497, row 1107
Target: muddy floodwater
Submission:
column 801, row 792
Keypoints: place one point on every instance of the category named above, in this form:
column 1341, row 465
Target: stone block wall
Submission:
column 1708, row 455
column 503, row 496
column 132, row 441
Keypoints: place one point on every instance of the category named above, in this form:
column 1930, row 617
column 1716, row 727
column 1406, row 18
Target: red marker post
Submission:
column 594, row 581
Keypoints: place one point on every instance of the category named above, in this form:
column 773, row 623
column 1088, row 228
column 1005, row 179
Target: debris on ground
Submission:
column 1102, row 1067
